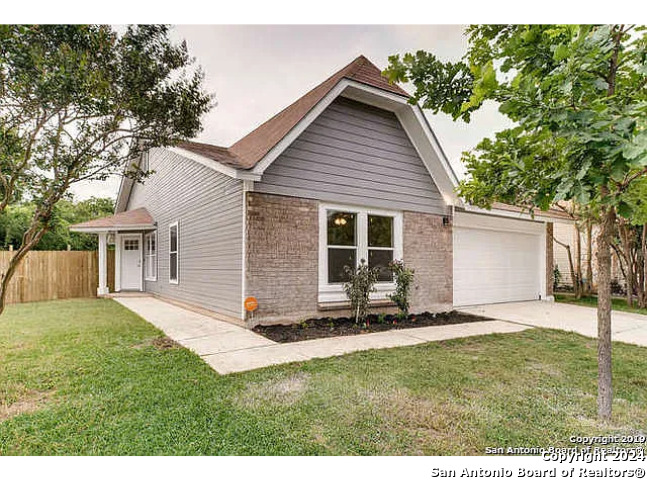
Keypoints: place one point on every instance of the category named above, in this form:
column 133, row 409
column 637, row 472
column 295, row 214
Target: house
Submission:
column 349, row 171
column 567, row 234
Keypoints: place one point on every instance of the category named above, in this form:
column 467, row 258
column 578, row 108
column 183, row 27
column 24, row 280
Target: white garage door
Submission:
column 493, row 266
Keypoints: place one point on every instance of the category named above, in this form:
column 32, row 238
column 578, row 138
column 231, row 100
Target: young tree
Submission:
column 578, row 98
column 632, row 242
column 81, row 102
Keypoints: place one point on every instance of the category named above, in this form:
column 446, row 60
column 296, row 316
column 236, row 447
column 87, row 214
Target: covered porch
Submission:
column 133, row 233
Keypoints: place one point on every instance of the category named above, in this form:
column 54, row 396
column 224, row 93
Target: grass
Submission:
column 90, row 377
column 592, row 301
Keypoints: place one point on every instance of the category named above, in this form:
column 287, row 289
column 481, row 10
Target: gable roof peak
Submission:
column 254, row 146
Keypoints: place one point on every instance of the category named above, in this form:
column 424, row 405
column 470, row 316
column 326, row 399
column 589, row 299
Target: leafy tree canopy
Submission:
column 15, row 220
column 82, row 102
column 578, row 99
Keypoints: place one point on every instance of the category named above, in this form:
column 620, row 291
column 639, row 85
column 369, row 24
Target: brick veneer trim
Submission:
column 282, row 255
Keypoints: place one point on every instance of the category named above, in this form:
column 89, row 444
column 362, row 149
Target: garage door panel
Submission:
column 493, row 266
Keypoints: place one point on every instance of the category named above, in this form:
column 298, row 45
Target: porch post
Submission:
column 103, row 264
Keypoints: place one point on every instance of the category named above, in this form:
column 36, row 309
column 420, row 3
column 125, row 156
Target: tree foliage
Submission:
column 81, row 102
column 578, row 99
column 576, row 94
column 15, row 220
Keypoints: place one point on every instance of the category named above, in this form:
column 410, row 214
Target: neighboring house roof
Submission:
column 138, row 219
column 503, row 209
column 250, row 149
column 552, row 212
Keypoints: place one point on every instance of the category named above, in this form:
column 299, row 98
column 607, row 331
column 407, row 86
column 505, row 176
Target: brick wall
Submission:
column 282, row 257
column 428, row 250
column 282, row 235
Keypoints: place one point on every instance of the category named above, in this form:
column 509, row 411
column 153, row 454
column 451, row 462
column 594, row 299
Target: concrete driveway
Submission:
column 625, row 327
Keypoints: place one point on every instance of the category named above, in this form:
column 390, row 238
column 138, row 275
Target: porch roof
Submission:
column 138, row 219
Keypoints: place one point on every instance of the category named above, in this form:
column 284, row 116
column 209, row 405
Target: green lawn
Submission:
column 89, row 377
column 617, row 303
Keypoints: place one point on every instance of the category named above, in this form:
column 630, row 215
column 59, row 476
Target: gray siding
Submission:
column 209, row 209
column 357, row 154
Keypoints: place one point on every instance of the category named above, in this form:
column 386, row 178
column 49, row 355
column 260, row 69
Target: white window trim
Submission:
column 145, row 163
column 177, row 254
column 333, row 293
column 147, row 257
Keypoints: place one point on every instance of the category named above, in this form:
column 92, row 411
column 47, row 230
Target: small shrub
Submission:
column 403, row 280
column 381, row 319
column 358, row 288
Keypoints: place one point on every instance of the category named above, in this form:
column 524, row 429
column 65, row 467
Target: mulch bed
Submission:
column 335, row 327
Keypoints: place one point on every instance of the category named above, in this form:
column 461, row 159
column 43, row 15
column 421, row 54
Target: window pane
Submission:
column 380, row 231
column 131, row 244
column 174, row 239
column 338, row 258
column 149, row 267
column 173, row 258
column 341, row 228
column 380, row 259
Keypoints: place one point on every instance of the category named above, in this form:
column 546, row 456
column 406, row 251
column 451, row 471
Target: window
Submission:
column 350, row 234
column 380, row 245
column 131, row 244
column 150, row 245
column 173, row 253
column 342, row 244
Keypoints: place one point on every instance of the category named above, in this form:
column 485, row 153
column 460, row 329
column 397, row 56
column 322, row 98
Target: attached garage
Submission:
column 498, row 259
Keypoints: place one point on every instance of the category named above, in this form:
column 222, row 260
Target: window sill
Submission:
column 329, row 294
column 325, row 306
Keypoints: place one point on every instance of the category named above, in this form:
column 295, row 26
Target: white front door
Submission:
column 131, row 262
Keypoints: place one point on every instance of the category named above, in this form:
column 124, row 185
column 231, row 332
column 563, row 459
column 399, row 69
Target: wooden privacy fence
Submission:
column 51, row 275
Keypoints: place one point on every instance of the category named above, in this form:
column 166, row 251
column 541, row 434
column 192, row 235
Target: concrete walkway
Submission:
column 625, row 327
column 228, row 348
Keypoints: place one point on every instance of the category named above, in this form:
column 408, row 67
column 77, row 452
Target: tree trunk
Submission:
column 6, row 276
column 29, row 239
column 605, row 393
column 570, row 262
column 589, row 257
column 578, row 262
column 626, row 246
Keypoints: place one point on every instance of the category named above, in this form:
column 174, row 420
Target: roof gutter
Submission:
column 114, row 228
column 217, row 166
